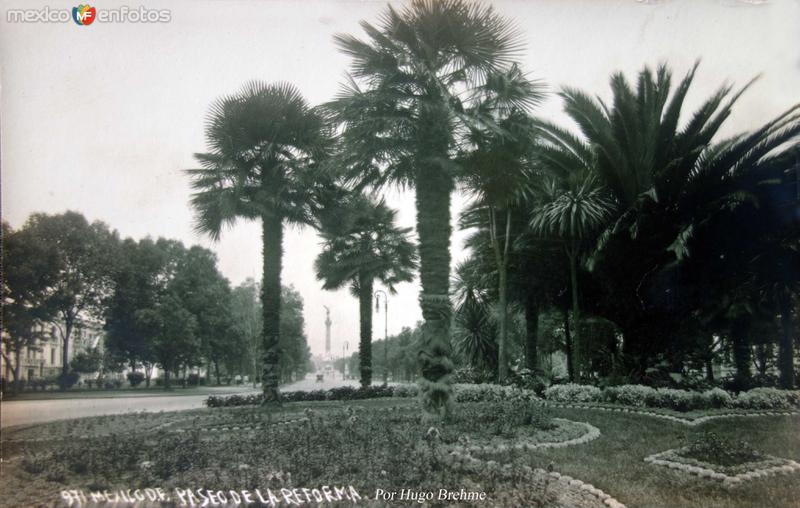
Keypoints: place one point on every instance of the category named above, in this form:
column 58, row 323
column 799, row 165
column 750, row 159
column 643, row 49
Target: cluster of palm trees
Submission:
column 435, row 99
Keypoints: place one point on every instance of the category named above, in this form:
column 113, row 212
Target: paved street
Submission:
column 39, row 411
column 22, row 412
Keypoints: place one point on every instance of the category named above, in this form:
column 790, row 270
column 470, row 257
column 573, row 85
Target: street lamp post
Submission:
column 378, row 293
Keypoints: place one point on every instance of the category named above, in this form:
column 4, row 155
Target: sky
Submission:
column 104, row 118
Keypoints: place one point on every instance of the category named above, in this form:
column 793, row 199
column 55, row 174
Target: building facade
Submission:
column 45, row 360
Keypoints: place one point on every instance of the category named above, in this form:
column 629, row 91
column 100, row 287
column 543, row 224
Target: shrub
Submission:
column 630, row 395
column 402, row 391
column 529, row 380
column 491, row 393
column 68, row 380
column 135, row 378
column 194, row 379
column 463, row 393
column 709, row 447
column 40, row 383
column 572, row 392
column 718, row 398
column 767, row 398
column 678, row 400
column 471, row 375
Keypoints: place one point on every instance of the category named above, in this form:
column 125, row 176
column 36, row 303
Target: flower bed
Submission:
column 676, row 400
column 729, row 475
column 562, row 433
column 366, row 448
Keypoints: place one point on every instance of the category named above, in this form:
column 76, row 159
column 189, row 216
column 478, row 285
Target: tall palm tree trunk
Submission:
column 576, row 316
column 568, row 347
column 272, row 238
column 502, row 350
column 531, row 331
column 501, row 259
column 433, row 227
column 786, row 347
column 365, row 344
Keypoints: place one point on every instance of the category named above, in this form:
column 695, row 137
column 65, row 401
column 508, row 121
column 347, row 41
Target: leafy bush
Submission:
column 42, row 383
column 491, row 393
column 572, row 392
column 135, row 378
column 195, row 379
column 404, row 391
column 529, row 380
column 630, row 395
column 718, row 398
column 677, row 400
column 709, row 447
column 767, row 398
column 68, row 380
column 463, row 393
column 470, row 375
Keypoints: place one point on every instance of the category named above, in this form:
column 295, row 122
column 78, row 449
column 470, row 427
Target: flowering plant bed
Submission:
column 732, row 467
column 561, row 433
column 387, row 448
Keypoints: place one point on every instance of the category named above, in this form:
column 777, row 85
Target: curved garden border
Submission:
column 591, row 433
column 462, row 455
column 684, row 421
column 788, row 466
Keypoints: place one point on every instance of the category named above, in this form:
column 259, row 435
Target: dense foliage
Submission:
column 678, row 400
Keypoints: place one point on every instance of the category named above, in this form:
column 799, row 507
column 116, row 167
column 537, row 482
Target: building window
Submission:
column 52, row 356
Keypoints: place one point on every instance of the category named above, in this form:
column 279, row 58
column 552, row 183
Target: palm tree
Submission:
column 414, row 86
column 263, row 143
column 573, row 209
column 666, row 179
column 361, row 244
column 475, row 329
column 498, row 171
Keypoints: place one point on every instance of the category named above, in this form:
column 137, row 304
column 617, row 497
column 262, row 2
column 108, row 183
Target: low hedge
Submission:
column 572, row 392
column 463, row 393
column 678, row 400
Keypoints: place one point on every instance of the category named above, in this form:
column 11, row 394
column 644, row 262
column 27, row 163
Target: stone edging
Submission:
column 684, row 421
column 463, row 454
column 787, row 467
column 592, row 432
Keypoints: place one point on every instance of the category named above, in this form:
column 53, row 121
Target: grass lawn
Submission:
column 383, row 443
column 614, row 461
